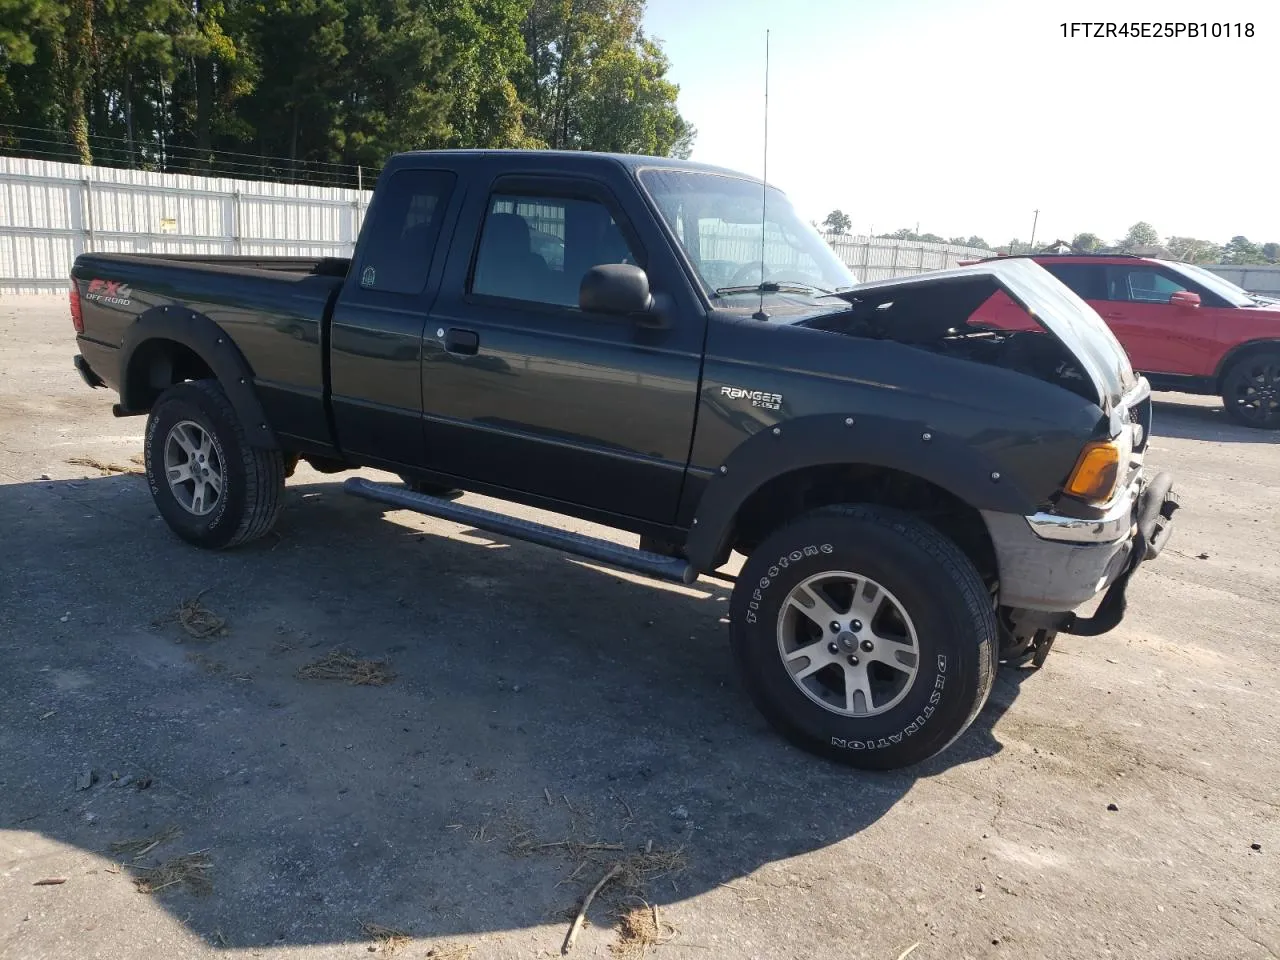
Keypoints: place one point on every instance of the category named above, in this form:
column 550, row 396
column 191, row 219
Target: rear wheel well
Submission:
column 786, row 497
column 157, row 365
column 1237, row 354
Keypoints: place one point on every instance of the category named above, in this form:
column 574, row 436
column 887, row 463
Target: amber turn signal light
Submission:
column 1096, row 472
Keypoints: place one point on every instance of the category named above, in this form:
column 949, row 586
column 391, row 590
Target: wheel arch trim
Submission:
column 208, row 341
column 837, row 440
column 1238, row 351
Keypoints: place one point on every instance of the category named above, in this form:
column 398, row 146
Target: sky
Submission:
column 966, row 116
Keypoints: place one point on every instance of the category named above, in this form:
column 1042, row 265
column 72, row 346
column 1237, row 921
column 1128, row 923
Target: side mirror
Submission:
column 617, row 289
column 1185, row 298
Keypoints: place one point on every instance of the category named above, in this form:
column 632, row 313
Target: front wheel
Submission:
column 865, row 636
column 1251, row 391
column 211, row 486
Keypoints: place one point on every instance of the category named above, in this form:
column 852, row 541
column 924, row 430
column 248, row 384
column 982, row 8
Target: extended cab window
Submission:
column 538, row 249
column 1140, row 285
column 401, row 238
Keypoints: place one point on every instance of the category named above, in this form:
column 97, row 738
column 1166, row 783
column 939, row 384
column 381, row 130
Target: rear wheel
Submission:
column 865, row 636
column 1251, row 391
column 211, row 486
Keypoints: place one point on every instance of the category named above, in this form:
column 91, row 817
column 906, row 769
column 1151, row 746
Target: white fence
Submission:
column 880, row 258
column 1262, row 279
column 51, row 212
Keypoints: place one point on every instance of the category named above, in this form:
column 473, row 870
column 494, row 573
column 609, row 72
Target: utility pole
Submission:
column 1034, row 221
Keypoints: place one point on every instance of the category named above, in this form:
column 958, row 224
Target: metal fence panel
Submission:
column 50, row 212
column 1262, row 279
column 882, row 258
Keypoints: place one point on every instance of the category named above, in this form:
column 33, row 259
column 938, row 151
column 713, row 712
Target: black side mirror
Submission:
column 618, row 289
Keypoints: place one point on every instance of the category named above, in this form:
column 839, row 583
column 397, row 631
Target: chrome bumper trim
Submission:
column 1115, row 524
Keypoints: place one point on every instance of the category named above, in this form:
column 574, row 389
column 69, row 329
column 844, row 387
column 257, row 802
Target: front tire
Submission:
column 1251, row 391
column 864, row 636
column 211, row 486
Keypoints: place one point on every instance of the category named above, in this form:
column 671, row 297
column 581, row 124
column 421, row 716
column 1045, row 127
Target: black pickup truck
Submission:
column 668, row 349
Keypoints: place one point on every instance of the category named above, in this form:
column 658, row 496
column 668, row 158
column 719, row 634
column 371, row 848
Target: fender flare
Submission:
column 214, row 346
column 1236, row 352
column 833, row 440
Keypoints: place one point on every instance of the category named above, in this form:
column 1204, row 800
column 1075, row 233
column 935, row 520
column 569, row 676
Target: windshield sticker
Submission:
column 368, row 278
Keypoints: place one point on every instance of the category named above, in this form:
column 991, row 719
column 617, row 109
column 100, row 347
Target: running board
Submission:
column 676, row 569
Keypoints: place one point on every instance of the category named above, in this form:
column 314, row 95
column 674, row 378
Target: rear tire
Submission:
column 211, row 486
column 1251, row 391
column 915, row 655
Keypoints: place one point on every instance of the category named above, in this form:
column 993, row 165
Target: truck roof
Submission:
column 578, row 159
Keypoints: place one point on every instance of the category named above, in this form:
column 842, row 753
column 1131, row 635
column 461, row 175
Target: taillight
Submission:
column 77, row 315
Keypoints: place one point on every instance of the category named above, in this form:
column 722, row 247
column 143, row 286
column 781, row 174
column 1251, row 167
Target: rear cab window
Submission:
column 399, row 241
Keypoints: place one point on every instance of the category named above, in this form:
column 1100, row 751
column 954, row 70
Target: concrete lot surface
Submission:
column 539, row 699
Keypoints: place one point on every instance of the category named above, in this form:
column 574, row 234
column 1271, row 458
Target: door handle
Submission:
column 1114, row 316
column 461, row 341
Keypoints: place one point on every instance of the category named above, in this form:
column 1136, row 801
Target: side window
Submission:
column 538, row 249
column 401, row 237
column 1140, row 285
column 1085, row 280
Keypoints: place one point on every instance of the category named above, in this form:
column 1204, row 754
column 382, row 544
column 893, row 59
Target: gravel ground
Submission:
column 1122, row 802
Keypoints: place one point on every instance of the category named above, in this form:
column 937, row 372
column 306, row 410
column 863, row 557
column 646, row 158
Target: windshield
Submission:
column 717, row 220
column 1228, row 291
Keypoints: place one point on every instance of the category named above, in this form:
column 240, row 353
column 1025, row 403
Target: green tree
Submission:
column 1086, row 242
column 1191, row 250
column 483, row 55
column 976, row 241
column 391, row 75
column 1141, row 234
column 1240, row 251
column 596, row 82
column 837, row 222
column 1271, row 251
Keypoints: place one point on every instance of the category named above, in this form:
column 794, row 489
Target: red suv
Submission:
column 1185, row 328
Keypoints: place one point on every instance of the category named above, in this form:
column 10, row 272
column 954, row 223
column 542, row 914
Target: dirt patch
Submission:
column 135, row 466
column 346, row 666
column 191, row 871
column 388, row 940
column 140, row 847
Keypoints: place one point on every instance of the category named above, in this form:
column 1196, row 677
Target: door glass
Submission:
column 1083, row 279
column 1140, row 285
column 538, row 249
column 405, row 221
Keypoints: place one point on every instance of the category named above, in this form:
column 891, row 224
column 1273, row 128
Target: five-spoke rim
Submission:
column 848, row 644
column 192, row 467
column 1257, row 390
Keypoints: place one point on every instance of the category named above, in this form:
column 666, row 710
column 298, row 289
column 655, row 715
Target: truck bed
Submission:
column 273, row 308
column 310, row 266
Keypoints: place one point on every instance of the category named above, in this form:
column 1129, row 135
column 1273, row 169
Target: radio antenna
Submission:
column 764, row 181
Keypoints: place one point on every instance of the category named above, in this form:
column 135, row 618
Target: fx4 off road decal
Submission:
column 115, row 292
column 758, row 398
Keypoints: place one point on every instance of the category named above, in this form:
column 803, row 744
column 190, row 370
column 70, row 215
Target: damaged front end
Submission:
column 1087, row 536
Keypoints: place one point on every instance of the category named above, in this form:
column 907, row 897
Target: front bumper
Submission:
column 1049, row 565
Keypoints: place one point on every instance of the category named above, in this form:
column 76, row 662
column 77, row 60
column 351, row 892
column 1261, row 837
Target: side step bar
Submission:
column 675, row 569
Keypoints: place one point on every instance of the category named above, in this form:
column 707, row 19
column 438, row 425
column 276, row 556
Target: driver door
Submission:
column 524, row 390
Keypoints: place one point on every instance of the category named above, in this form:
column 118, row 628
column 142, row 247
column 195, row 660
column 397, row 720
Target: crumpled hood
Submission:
column 1054, row 306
